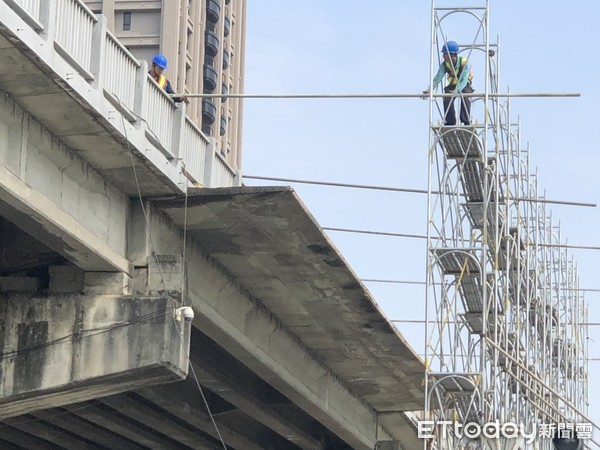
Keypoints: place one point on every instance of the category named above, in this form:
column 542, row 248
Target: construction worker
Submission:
column 460, row 77
column 159, row 64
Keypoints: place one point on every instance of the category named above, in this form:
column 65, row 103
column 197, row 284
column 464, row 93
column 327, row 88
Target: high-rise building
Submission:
column 203, row 41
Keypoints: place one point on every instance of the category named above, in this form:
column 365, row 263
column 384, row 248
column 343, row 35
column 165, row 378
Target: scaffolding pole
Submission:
column 506, row 321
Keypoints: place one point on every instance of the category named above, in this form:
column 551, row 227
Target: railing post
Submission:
column 208, row 162
column 140, row 98
column 98, row 62
column 237, row 179
column 177, row 137
column 48, row 11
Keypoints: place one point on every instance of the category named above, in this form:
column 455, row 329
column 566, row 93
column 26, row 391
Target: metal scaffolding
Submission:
column 505, row 337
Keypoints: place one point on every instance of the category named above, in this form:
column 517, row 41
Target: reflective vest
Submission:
column 454, row 74
column 162, row 81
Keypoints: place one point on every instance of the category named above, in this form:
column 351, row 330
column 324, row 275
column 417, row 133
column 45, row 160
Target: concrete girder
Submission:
column 56, row 197
column 55, row 228
column 83, row 428
column 21, row 440
column 264, row 414
column 179, row 405
column 104, row 417
column 266, row 239
column 248, row 331
column 49, row 433
column 255, row 338
column 63, row 349
column 130, row 406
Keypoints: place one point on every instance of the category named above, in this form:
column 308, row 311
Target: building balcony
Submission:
column 211, row 43
column 206, row 129
column 211, row 78
column 209, row 112
column 213, row 11
column 224, row 91
column 223, row 128
column 227, row 29
column 225, row 59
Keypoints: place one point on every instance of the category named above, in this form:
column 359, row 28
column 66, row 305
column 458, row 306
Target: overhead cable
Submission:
column 409, row 190
column 380, row 233
column 375, row 280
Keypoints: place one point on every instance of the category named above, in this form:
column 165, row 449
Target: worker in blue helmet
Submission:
column 159, row 65
column 458, row 70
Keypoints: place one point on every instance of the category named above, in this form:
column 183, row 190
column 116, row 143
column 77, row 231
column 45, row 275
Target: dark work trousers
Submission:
column 465, row 109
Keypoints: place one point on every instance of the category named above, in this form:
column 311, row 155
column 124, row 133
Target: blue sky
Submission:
column 352, row 46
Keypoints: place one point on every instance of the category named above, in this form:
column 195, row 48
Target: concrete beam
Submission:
column 22, row 252
column 24, row 440
column 258, row 340
column 104, row 417
column 131, row 406
column 405, row 431
column 47, row 432
column 52, row 194
column 63, row 349
column 178, row 402
column 84, row 428
column 271, row 245
column 248, row 331
column 53, row 226
column 260, row 412
column 222, row 375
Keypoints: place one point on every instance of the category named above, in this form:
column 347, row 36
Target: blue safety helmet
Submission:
column 160, row 61
column 450, row 47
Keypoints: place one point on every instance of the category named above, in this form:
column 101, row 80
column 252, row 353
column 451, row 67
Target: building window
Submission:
column 188, row 71
column 127, row 21
column 188, row 43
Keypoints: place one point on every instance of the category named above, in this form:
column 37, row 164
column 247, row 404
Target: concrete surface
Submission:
column 294, row 312
column 63, row 349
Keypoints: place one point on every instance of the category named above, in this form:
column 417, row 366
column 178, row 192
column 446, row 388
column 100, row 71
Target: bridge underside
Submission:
column 248, row 412
column 240, row 352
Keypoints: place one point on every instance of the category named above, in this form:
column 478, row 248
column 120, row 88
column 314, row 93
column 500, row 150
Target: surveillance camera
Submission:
column 185, row 312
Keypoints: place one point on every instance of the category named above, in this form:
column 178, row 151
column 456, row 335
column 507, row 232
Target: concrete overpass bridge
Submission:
column 116, row 211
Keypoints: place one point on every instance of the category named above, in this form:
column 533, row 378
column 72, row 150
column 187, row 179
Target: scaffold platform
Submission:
column 471, row 288
column 475, row 213
column 459, row 142
column 474, row 322
column 457, row 261
column 456, row 382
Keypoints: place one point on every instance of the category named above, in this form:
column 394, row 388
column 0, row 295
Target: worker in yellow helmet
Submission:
column 460, row 78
